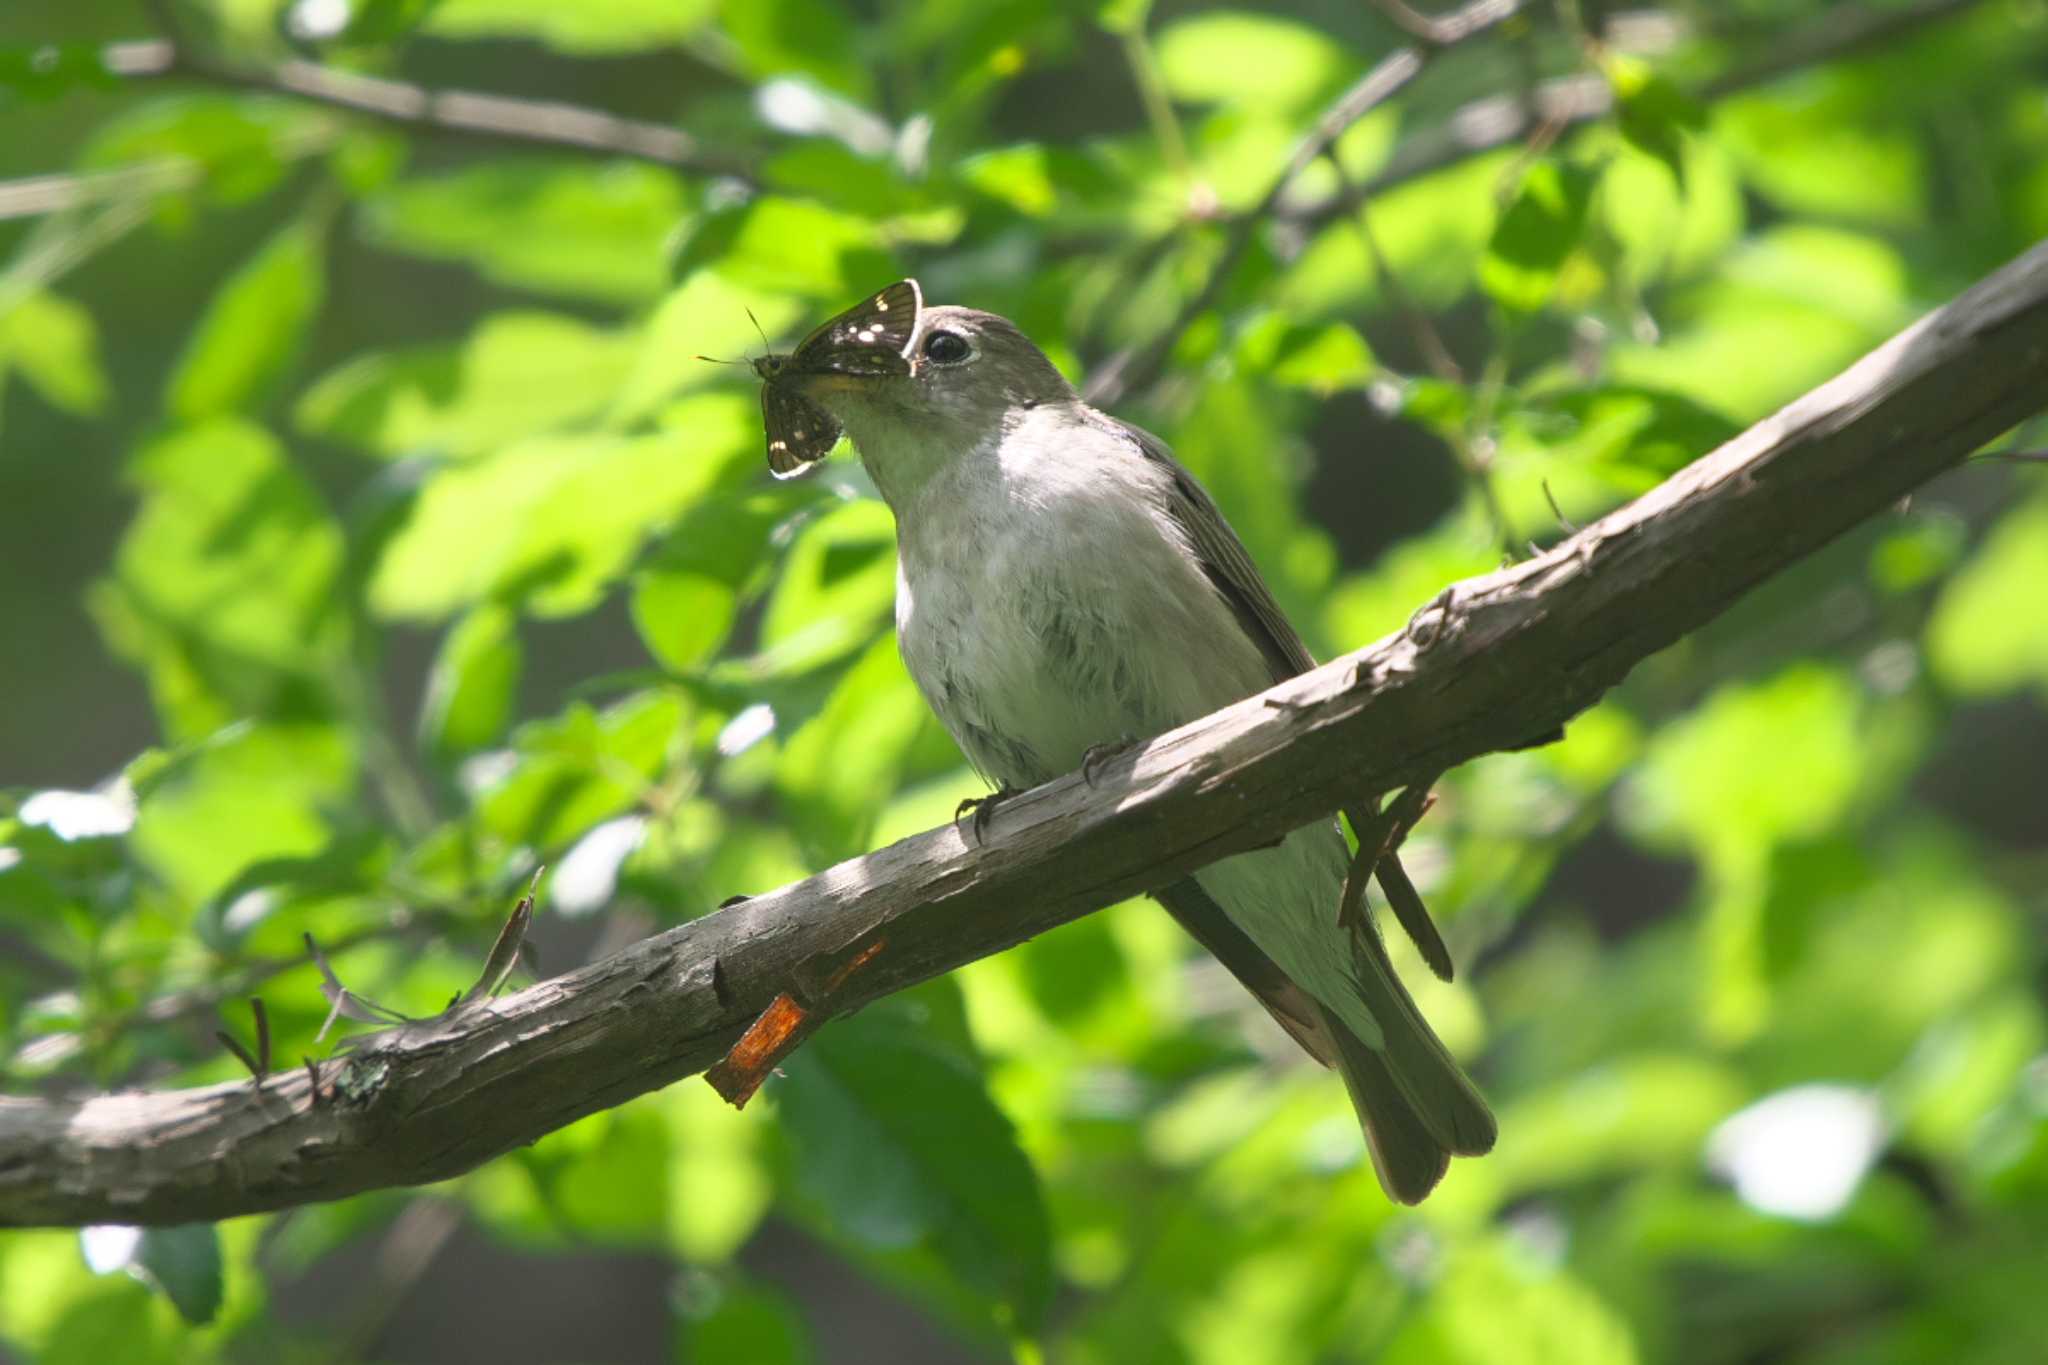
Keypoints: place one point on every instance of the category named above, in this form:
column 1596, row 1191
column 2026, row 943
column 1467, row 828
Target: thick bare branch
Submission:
column 1491, row 664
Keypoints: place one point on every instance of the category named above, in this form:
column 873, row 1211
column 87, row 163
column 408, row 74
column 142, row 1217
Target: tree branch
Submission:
column 542, row 123
column 1481, row 126
column 1569, row 101
column 1492, row 663
column 1135, row 367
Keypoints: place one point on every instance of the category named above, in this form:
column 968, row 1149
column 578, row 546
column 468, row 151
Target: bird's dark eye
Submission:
column 947, row 348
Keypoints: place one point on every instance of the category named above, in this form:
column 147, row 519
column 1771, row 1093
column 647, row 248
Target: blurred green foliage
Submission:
column 385, row 463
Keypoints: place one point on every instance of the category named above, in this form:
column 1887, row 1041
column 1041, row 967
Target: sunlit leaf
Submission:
column 1232, row 55
column 586, row 231
column 1980, row 640
column 251, row 333
column 518, row 374
column 553, row 520
column 1540, row 228
column 617, row 26
column 474, row 683
column 898, row 1143
column 53, row 344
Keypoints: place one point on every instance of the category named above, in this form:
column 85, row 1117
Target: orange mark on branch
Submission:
column 778, row 1031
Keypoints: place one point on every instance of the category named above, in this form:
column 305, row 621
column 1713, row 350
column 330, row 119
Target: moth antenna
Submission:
column 716, row 361
column 765, row 343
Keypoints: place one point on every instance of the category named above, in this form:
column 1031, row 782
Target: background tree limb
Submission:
column 1491, row 663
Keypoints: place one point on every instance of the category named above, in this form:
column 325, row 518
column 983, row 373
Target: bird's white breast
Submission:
column 1046, row 602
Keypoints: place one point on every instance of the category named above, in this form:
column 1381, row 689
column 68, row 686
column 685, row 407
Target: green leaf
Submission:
column 184, row 1262
column 856, row 746
column 838, row 580
column 550, row 522
column 615, row 27
column 242, row 147
column 597, row 231
column 1984, row 638
column 705, row 316
column 222, row 587
column 247, row 794
column 43, row 71
column 1232, row 56
column 252, row 331
column 375, row 22
column 897, row 1144
column 1651, row 111
column 1322, row 359
column 1818, row 144
column 1122, row 16
column 687, row 594
column 1496, row 1307
column 518, row 374
column 1539, row 230
column 1717, row 776
column 52, row 343
column 474, row 683
column 579, row 768
column 814, row 37
column 789, row 246
column 751, row 1323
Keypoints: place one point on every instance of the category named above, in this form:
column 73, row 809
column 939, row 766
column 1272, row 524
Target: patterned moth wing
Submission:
column 800, row 433
column 869, row 339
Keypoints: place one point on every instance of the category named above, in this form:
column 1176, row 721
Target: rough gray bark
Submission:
column 1492, row 663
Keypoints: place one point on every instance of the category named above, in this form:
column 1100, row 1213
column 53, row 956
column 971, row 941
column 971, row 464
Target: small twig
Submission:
column 781, row 1029
column 1428, row 340
column 1442, row 32
column 262, row 1018
column 1556, row 511
column 242, row 1054
column 504, row 954
column 259, row 1064
column 345, row 1003
column 1380, row 834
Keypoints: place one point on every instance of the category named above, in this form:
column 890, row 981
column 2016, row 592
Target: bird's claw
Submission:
column 1098, row 754
column 984, row 809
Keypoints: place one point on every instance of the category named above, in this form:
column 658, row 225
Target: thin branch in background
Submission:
column 1450, row 28
column 1134, row 368
column 544, row 123
column 1428, row 341
column 1198, row 199
column 36, row 195
column 1486, row 124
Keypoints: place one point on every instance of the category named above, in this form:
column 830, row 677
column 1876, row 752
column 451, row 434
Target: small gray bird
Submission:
column 1064, row 584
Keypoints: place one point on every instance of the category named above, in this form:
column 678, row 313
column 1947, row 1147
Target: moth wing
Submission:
column 800, row 433
column 870, row 338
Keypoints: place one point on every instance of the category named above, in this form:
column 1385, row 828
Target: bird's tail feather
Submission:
column 1419, row 1068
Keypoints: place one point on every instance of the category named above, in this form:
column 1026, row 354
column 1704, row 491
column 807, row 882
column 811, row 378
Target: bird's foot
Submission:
column 983, row 808
column 1098, row 754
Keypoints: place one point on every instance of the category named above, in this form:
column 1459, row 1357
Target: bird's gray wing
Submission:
column 1236, row 579
column 1225, row 560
